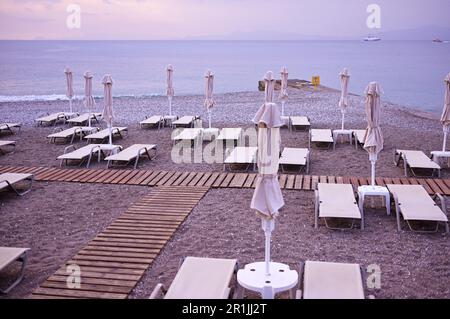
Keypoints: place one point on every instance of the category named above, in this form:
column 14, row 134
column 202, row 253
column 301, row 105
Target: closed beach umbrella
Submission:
column 209, row 100
column 267, row 197
column 283, row 91
column 445, row 118
column 343, row 102
column 108, row 114
column 269, row 87
column 69, row 92
column 170, row 91
column 89, row 101
column 373, row 141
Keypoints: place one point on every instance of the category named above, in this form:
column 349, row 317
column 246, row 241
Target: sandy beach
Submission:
column 57, row 219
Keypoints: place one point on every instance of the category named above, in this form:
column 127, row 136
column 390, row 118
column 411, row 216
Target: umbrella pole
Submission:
column 170, row 106
column 89, row 119
column 445, row 138
column 343, row 120
column 267, row 226
column 70, row 104
column 282, row 108
column 209, row 118
column 373, row 160
column 110, row 133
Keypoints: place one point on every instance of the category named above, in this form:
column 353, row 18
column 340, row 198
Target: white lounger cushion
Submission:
column 242, row 155
column 153, row 120
column 294, row 156
column 12, row 178
column 105, row 133
column 84, row 118
column 418, row 159
column 230, row 134
column 80, row 153
column 185, row 120
column 337, row 201
column 71, row 131
column 131, row 152
column 416, row 204
column 188, row 134
column 55, row 116
column 324, row 280
column 300, row 121
column 202, row 278
column 6, row 126
column 9, row 255
column 6, row 143
column 321, row 136
column 360, row 134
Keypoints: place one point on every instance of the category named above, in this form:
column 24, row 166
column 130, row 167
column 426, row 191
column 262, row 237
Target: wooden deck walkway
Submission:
column 211, row 179
column 114, row 261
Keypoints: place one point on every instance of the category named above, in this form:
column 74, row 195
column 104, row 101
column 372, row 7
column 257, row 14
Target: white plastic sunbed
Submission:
column 71, row 133
column 8, row 144
column 241, row 156
column 9, row 255
column 9, row 181
column 415, row 160
column 185, row 121
column 153, row 121
column 193, row 135
column 321, row 136
column 230, row 134
column 295, row 157
column 336, row 201
column 81, row 154
column 326, row 280
column 8, row 127
column 299, row 123
column 84, row 118
column 104, row 134
column 55, row 118
column 359, row 136
column 200, row 278
column 134, row 152
column 414, row 204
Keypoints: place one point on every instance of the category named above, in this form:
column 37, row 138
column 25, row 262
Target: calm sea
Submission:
column 410, row 73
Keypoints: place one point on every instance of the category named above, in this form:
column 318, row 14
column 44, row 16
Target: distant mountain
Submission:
column 423, row 33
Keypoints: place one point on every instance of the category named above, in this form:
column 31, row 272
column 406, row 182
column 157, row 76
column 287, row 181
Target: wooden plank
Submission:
column 290, row 182
column 380, row 181
column 149, row 178
column 121, row 176
column 355, row 183
column 164, row 180
column 204, row 179
column 78, row 293
column 249, row 181
column 141, row 179
column 238, row 180
column 282, row 180
column 413, row 181
column 425, row 185
column 339, row 180
column 323, row 179
column 196, row 179
column 129, row 177
column 101, row 173
column 180, row 179
column 434, row 186
column 219, row 180
column 307, row 182
column 227, row 180
column 173, row 178
column 396, row 181
column 404, row 181
column 331, row 179
column 96, row 281
column 87, row 287
column 445, row 189
column 314, row 182
column 211, row 179
column 364, row 181
column 346, row 180
column 107, row 177
column 138, row 176
column 46, row 174
column 188, row 179
column 88, row 176
column 298, row 182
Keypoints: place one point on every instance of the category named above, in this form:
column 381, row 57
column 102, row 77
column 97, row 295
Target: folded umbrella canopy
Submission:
column 209, row 100
column 170, row 91
column 445, row 118
column 69, row 92
column 373, row 141
column 283, row 91
column 343, row 101
column 89, row 101
column 108, row 114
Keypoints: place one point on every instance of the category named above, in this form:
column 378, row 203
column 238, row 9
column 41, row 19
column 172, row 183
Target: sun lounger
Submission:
column 336, row 201
column 320, row 137
column 200, row 278
column 295, row 158
column 8, row 144
column 325, row 280
column 153, row 121
column 55, row 118
column 359, row 136
column 103, row 135
column 193, row 135
column 81, row 154
column 84, row 118
column 299, row 123
column 9, row 255
column 230, row 134
column 71, row 133
column 241, row 156
column 8, row 127
column 185, row 121
column 416, row 161
column 10, row 181
column 134, row 152
column 414, row 204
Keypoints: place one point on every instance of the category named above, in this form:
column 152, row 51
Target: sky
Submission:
column 181, row 19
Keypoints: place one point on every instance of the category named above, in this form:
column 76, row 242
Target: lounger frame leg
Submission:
column 23, row 258
column 27, row 190
column 316, row 209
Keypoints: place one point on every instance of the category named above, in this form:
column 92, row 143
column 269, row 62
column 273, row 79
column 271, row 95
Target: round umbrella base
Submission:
column 253, row 277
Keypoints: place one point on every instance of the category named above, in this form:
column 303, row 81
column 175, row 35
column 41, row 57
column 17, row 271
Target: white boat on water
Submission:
column 371, row 38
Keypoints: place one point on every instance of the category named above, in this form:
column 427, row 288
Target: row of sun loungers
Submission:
column 55, row 118
column 412, row 202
